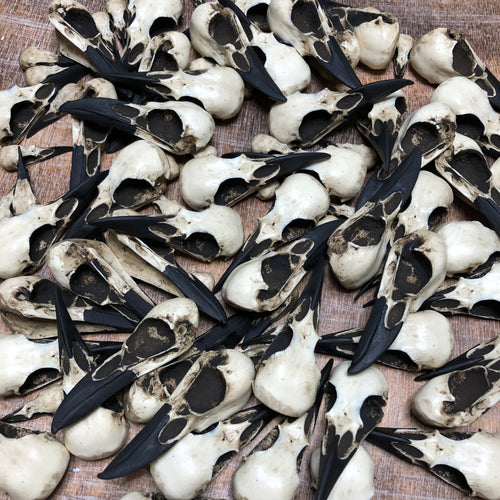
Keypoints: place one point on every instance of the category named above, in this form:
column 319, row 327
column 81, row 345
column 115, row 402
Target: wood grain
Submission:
column 24, row 23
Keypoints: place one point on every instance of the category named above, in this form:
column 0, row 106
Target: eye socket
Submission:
column 207, row 391
column 314, row 124
column 305, row 18
column 160, row 25
column 223, row 30
column 82, row 22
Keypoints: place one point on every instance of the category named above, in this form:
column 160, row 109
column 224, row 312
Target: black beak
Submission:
column 495, row 99
column 402, row 180
column 22, row 171
column 43, row 121
column 194, row 289
column 109, row 317
column 87, row 395
column 258, row 78
column 228, row 335
column 144, row 448
column 70, row 74
column 375, row 91
column 101, row 111
column 85, row 191
column 136, row 225
column 375, row 339
column 137, row 81
column 338, row 66
column 70, row 341
column 84, row 164
column 338, row 343
column 246, row 253
column 490, row 209
column 82, row 229
column 392, row 439
column 289, row 163
column 459, row 363
column 319, row 238
column 383, row 144
column 137, row 304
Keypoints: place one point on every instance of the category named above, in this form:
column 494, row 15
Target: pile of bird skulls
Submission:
column 385, row 234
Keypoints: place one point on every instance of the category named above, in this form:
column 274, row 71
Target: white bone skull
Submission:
column 148, row 19
column 33, row 462
column 168, row 51
column 430, row 196
column 431, row 128
column 474, row 115
column 22, row 357
column 444, row 53
column 357, row 481
column 271, row 472
column 469, row 244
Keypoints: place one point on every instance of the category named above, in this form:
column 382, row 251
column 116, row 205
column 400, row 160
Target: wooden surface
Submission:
column 24, row 23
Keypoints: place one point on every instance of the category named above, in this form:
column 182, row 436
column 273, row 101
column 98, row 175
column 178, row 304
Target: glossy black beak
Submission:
column 249, row 250
column 490, row 209
column 80, row 228
column 137, row 304
column 383, row 143
column 339, row 343
column 257, row 417
column 70, row 74
column 375, row 91
column 87, row 395
column 311, row 295
column 194, row 289
column 289, row 163
column 375, row 339
column 392, row 440
column 103, row 349
column 22, row 171
column 319, row 238
column 135, row 225
column 109, row 317
column 402, row 180
column 257, row 76
column 43, row 121
column 459, row 363
column 144, row 448
column 325, row 376
column 495, row 99
column 137, row 81
column 228, row 335
column 101, row 111
column 84, row 164
column 338, row 65
column 85, row 191
column 71, row 344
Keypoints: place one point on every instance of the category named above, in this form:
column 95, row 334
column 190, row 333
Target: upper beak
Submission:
column 495, row 99
column 490, row 209
column 319, row 237
column 101, row 111
column 472, row 357
column 144, row 448
column 375, row 339
column 338, row 65
column 402, row 179
column 69, row 339
column 194, row 289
